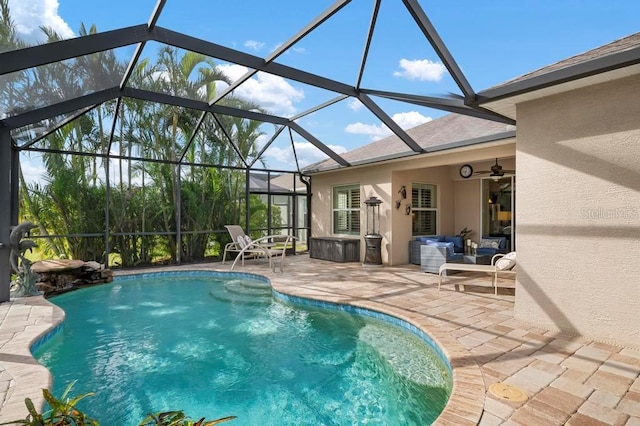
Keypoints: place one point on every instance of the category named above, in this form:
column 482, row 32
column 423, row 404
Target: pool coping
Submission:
column 464, row 407
column 23, row 376
column 466, row 402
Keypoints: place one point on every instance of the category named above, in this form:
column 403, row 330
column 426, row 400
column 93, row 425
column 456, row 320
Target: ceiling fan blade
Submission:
column 482, row 172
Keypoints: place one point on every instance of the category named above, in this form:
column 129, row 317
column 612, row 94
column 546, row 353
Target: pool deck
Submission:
column 568, row 380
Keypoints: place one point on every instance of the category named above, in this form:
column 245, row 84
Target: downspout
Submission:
column 307, row 183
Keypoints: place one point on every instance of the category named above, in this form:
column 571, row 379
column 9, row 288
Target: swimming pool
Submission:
column 216, row 344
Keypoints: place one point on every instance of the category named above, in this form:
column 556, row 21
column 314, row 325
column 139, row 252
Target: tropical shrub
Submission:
column 63, row 412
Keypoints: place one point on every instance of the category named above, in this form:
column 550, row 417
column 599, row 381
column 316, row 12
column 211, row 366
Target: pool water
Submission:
column 215, row 347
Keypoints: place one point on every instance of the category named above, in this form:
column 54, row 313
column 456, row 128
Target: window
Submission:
column 346, row 209
column 424, row 209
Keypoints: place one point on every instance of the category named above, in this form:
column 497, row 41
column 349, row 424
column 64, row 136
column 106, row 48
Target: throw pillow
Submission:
column 448, row 246
column 510, row 255
column 248, row 241
column 504, row 264
column 241, row 242
column 489, row 243
column 458, row 243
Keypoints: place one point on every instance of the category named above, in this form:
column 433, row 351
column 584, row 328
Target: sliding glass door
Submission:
column 498, row 208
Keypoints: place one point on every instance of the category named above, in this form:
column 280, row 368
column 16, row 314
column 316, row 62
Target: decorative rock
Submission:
column 58, row 265
column 59, row 276
column 93, row 265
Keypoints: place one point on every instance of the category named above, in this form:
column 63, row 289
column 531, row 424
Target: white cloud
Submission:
column 420, row 69
column 234, row 72
column 262, row 140
column 254, row 45
column 33, row 171
column 406, row 120
column 301, row 50
column 375, row 131
column 307, row 153
column 29, row 16
column 354, row 104
column 269, row 91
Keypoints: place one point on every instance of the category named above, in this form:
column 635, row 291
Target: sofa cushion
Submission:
column 438, row 238
column 485, row 251
column 458, row 243
column 426, row 240
column 506, row 262
column 510, row 255
column 448, row 246
column 489, row 243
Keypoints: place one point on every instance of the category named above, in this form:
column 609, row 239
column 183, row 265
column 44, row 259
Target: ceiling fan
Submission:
column 496, row 171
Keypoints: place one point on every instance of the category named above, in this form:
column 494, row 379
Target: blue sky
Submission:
column 491, row 41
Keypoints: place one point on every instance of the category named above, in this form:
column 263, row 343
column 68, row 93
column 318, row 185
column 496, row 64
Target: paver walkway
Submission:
column 568, row 380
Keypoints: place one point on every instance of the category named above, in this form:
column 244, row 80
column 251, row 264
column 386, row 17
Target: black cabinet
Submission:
column 335, row 249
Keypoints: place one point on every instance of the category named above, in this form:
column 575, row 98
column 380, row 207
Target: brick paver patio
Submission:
column 568, row 380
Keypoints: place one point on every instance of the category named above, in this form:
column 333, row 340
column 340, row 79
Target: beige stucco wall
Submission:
column 373, row 182
column 578, row 206
column 458, row 198
column 401, row 223
column 466, row 207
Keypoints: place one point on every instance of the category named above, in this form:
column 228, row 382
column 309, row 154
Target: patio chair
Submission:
column 271, row 247
column 504, row 264
column 238, row 241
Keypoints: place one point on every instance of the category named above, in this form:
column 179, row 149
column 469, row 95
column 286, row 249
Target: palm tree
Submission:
column 66, row 202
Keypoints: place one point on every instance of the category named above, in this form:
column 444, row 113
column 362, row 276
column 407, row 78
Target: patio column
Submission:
column 15, row 188
column 5, row 212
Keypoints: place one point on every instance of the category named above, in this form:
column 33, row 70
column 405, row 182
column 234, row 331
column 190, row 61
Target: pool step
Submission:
column 246, row 292
column 248, row 287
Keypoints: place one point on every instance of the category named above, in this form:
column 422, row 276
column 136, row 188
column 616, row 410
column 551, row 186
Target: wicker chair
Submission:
column 432, row 257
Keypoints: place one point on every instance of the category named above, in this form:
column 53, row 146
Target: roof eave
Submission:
column 570, row 73
column 496, row 137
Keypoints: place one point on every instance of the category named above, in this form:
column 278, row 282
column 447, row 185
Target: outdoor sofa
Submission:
column 415, row 245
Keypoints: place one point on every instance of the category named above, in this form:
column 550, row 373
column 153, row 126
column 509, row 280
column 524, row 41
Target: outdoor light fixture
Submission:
column 373, row 239
column 403, row 192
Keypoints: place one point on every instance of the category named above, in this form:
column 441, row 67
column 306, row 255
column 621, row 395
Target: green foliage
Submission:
column 144, row 197
column 177, row 418
column 63, row 411
column 464, row 232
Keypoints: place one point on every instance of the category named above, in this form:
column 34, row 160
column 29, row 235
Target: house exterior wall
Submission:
column 578, row 207
column 402, row 223
column 384, row 180
column 466, row 207
column 374, row 181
